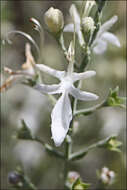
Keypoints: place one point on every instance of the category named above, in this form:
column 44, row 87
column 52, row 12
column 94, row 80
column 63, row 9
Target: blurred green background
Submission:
column 21, row 102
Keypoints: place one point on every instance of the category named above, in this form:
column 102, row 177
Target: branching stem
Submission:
column 90, row 110
column 49, row 149
column 82, row 153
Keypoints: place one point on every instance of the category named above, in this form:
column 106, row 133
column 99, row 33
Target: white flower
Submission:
column 77, row 20
column 100, row 43
column 62, row 113
column 70, row 27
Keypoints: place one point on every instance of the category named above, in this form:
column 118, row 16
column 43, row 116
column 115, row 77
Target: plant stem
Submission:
column 79, row 84
column 80, row 154
column 60, row 40
column 90, row 110
column 68, row 149
column 85, row 62
column 97, row 24
column 83, row 65
column 28, row 184
column 52, row 99
column 49, row 149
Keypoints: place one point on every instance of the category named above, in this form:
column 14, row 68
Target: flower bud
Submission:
column 54, row 20
column 14, row 178
column 79, row 187
column 73, row 176
column 107, row 176
column 88, row 24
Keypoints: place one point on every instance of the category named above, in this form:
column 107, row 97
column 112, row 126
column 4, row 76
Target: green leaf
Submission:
column 32, row 82
column 115, row 100
column 78, row 155
column 53, row 152
column 87, row 113
column 112, row 144
column 24, row 132
column 79, row 185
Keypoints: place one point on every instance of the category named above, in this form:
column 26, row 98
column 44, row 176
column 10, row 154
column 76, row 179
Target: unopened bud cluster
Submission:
column 88, row 24
column 54, row 20
column 107, row 176
column 15, row 178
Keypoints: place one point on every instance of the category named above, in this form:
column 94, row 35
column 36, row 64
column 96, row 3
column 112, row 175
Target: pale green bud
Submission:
column 79, row 187
column 54, row 20
column 88, row 24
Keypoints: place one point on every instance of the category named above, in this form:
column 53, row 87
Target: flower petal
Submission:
column 74, row 14
column 84, row 75
column 69, row 28
column 101, row 47
column 61, row 118
column 48, row 89
column 108, row 36
column 50, row 71
column 82, row 95
column 107, row 25
column 76, row 20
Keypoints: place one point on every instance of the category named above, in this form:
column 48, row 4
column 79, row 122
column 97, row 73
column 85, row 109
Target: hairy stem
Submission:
column 49, row 149
column 80, row 154
column 90, row 110
column 68, row 149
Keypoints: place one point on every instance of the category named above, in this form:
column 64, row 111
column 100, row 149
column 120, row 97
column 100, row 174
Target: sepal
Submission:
column 74, row 181
column 18, row 180
column 32, row 81
column 78, row 184
column 115, row 100
column 112, row 144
